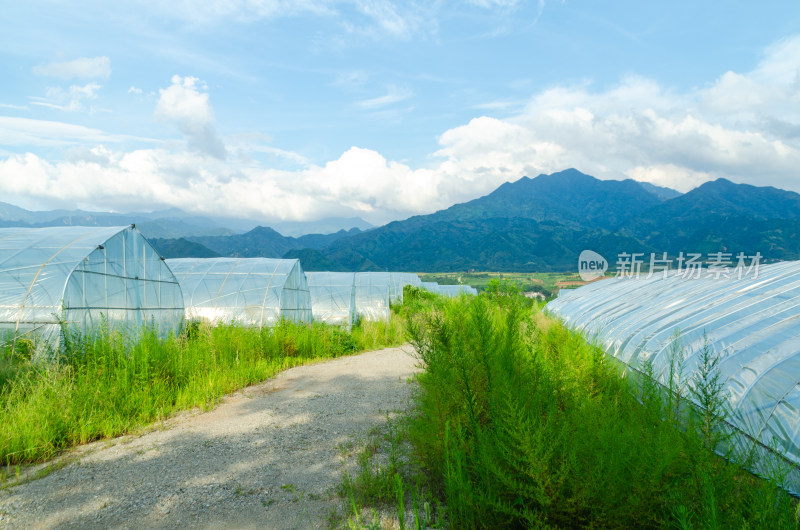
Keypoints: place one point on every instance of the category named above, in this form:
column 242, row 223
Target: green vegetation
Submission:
column 112, row 383
column 519, row 422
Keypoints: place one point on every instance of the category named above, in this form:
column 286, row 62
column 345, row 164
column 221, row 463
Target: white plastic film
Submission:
column 373, row 295
column 248, row 291
column 333, row 297
column 79, row 277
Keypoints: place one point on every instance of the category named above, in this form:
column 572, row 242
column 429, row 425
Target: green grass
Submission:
column 519, row 422
column 111, row 383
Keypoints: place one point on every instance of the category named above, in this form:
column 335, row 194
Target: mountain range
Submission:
column 543, row 223
column 533, row 224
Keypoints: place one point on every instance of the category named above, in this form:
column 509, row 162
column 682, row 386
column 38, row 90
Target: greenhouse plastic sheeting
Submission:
column 399, row 281
column 372, row 295
column 247, row 291
column 82, row 276
column 752, row 323
column 449, row 290
column 455, row 290
column 333, row 297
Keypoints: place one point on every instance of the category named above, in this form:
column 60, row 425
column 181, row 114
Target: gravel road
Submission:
column 232, row 467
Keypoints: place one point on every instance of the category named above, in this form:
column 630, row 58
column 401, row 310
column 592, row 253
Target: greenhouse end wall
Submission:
column 81, row 278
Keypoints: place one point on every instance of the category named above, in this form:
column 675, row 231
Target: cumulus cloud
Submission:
column 81, row 68
column 186, row 104
column 744, row 126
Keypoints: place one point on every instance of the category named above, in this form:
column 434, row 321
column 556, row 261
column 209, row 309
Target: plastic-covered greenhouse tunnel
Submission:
column 449, row 290
column 333, row 297
column 752, row 326
column 81, row 277
column 247, row 291
column 373, row 291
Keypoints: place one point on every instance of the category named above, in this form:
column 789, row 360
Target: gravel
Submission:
column 268, row 456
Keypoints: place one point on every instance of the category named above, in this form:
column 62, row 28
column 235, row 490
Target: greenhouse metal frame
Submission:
column 246, row 291
column 80, row 278
column 751, row 323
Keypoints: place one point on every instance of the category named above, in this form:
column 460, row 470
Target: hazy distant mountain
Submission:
column 660, row 191
column 172, row 223
column 329, row 225
column 265, row 242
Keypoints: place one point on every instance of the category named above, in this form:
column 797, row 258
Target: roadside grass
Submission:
column 113, row 383
column 386, row 488
column 520, row 422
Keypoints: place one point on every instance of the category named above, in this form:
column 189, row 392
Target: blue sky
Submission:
column 308, row 109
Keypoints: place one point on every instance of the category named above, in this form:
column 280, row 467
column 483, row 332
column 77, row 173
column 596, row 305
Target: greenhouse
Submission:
column 449, row 290
column 372, row 295
column 83, row 277
column 750, row 323
column 247, row 291
column 333, row 297
column 399, row 281
column 430, row 286
column 455, row 290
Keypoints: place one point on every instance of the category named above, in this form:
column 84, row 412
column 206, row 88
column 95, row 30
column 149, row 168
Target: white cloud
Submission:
column 134, row 90
column 29, row 132
column 71, row 99
column 184, row 104
column 81, row 68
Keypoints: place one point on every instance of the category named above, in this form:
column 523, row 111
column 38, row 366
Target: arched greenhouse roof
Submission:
column 248, row 291
column 81, row 276
column 333, row 297
column 373, row 295
column 751, row 323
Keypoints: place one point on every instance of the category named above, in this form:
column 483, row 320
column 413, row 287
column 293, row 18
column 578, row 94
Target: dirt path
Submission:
column 226, row 468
